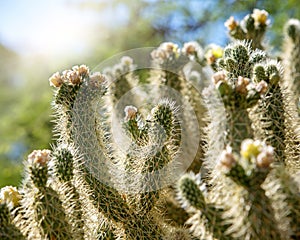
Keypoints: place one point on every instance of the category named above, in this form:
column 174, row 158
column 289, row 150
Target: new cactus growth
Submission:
column 222, row 163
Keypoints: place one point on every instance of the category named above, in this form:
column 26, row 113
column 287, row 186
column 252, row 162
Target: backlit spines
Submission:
column 63, row 170
column 41, row 207
column 9, row 201
column 233, row 94
column 275, row 117
column 193, row 197
column 110, row 172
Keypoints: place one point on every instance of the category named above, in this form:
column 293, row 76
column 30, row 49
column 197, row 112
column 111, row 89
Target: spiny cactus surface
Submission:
column 196, row 143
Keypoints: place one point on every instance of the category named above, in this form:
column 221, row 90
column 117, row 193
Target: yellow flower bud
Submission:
column 213, row 53
column 231, row 24
column 10, row 195
column 260, row 16
column 251, row 148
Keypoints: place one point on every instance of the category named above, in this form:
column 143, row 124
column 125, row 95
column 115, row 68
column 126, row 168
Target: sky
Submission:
column 51, row 27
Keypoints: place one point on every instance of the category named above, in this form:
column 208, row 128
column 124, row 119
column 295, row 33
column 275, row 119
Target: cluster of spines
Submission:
column 121, row 79
column 275, row 117
column 157, row 139
column 270, row 111
column 173, row 80
column 63, row 170
column 68, row 85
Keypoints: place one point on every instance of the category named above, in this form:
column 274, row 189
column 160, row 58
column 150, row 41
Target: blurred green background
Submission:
column 38, row 38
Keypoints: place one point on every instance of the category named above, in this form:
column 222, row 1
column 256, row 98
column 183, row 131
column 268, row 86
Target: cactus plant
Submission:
column 9, row 202
column 218, row 164
column 290, row 56
column 252, row 27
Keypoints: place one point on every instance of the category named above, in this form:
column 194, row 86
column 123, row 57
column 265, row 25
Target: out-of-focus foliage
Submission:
column 24, row 115
column 179, row 21
column 25, row 96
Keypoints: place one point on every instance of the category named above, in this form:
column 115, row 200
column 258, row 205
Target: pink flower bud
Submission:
column 266, row 157
column 227, row 158
column 130, row 113
column 39, row 157
column 219, row 76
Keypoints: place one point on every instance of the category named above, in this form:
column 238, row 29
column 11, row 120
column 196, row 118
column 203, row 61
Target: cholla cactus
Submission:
column 240, row 104
column 229, row 99
column 110, row 171
column 247, row 208
column 252, row 27
column 63, row 170
column 291, row 56
column 275, row 117
column 122, row 211
column 42, row 211
column 180, row 74
column 207, row 222
column 9, row 201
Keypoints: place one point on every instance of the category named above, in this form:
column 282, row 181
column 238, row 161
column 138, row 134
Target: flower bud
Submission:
column 227, row 158
column 39, row 157
column 96, row 79
column 83, row 70
column 10, row 195
column 261, row 87
column 127, row 61
column 231, row 24
column 219, row 76
column 242, row 84
column 266, row 157
column 191, row 48
column 74, row 78
column 260, row 16
column 130, row 113
column 250, row 148
column 56, row 80
column 169, row 47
